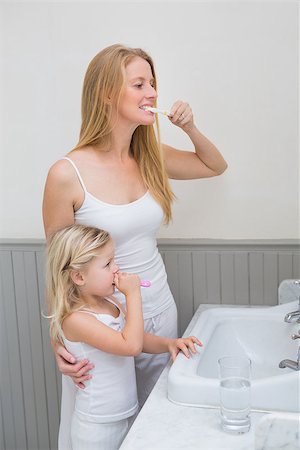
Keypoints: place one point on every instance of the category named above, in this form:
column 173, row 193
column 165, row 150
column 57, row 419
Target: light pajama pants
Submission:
column 148, row 369
column 97, row 436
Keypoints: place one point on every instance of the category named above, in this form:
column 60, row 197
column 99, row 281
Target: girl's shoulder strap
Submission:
column 112, row 300
column 115, row 302
column 77, row 172
column 86, row 311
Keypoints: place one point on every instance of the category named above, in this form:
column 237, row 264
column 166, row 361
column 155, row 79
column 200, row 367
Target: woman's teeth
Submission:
column 145, row 108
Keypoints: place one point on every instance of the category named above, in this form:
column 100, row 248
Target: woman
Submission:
column 116, row 178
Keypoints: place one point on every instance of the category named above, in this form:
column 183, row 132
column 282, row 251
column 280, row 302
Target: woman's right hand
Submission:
column 67, row 365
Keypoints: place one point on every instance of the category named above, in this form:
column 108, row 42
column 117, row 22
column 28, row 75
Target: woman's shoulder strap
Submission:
column 77, row 171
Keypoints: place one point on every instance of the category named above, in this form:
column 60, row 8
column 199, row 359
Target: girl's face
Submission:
column 138, row 92
column 99, row 274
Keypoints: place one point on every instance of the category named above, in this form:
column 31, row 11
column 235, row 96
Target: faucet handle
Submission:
column 296, row 335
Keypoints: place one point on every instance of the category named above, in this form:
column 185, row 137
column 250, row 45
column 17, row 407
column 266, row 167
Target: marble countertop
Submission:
column 163, row 425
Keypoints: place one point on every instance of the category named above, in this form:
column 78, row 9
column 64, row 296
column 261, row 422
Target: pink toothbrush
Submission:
column 145, row 283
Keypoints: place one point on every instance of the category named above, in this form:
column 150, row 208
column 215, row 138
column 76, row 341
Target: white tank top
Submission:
column 133, row 227
column 110, row 395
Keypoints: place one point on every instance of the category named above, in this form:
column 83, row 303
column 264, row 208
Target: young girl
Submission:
column 92, row 325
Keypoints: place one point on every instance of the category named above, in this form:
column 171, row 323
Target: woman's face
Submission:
column 138, row 92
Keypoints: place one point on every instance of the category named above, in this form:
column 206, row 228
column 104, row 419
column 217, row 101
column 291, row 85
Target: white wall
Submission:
column 234, row 62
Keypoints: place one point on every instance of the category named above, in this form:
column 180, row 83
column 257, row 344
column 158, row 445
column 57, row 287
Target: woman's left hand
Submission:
column 185, row 345
column 182, row 115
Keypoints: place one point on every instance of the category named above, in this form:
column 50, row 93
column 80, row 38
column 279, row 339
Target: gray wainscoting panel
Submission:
column 51, row 375
column 11, row 370
column 244, row 273
column 1, row 425
column 27, row 361
column 227, row 272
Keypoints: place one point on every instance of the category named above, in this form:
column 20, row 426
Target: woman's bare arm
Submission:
column 203, row 162
column 62, row 196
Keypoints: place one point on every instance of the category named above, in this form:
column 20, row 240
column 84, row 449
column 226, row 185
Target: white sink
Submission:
column 259, row 333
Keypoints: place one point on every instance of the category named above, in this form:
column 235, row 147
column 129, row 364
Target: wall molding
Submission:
column 174, row 241
column 288, row 244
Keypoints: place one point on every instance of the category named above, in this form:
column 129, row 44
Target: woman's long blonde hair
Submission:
column 104, row 79
column 69, row 249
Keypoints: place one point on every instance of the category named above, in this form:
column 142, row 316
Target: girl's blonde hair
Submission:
column 69, row 249
column 103, row 86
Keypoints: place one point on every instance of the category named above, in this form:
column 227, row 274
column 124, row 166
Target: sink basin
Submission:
column 259, row 333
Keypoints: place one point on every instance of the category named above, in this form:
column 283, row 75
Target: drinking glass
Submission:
column 235, row 393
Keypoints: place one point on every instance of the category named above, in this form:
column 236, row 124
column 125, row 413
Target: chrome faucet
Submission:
column 294, row 315
column 295, row 365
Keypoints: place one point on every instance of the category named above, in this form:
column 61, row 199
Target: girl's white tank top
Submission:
column 110, row 395
column 133, row 227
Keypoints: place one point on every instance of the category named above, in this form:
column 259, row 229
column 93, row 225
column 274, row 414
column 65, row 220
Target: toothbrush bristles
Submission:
column 165, row 112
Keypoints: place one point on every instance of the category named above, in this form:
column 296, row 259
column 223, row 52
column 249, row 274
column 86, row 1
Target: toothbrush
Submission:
column 145, row 283
column 165, row 112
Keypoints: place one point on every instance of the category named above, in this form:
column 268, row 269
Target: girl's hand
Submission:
column 67, row 365
column 182, row 115
column 185, row 345
column 127, row 283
